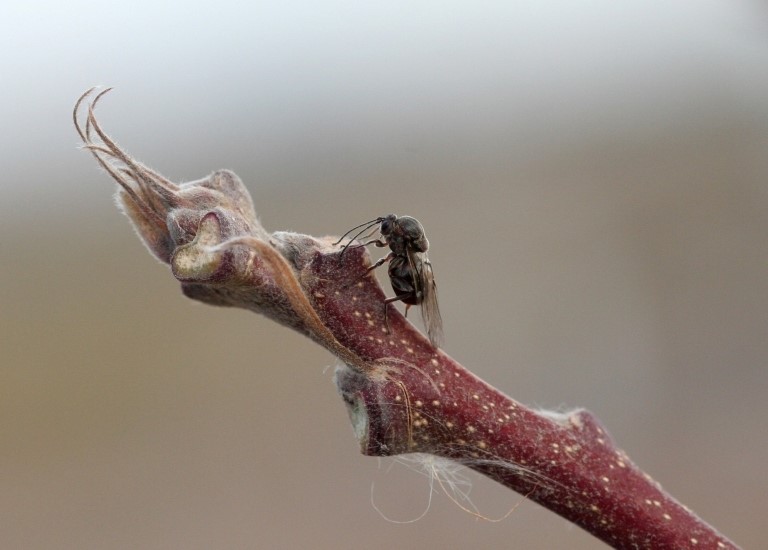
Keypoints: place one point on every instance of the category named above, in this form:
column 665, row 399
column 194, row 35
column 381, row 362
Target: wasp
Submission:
column 410, row 272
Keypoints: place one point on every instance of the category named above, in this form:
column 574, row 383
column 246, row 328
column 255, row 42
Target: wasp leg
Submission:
column 377, row 242
column 381, row 262
column 395, row 299
column 367, row 271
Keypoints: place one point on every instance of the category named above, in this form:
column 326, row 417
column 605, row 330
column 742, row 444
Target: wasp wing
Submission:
column 424, row 282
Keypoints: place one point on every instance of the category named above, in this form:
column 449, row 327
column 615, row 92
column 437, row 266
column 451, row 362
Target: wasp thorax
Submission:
column 413, row 233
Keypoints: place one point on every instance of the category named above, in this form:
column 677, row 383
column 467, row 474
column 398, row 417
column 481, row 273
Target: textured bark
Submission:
column 402, row 394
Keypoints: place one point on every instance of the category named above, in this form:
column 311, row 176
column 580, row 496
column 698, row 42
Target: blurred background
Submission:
column 593, row 178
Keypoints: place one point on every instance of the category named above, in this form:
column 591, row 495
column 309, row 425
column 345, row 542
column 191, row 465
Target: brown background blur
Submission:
column 594, row 183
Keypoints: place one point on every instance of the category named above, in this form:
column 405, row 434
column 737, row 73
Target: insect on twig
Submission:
column 410, row 272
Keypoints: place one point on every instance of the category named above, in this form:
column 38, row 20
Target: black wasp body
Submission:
column 410, row 272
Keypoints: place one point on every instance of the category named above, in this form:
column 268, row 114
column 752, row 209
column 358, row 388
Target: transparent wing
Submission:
column 430, row 312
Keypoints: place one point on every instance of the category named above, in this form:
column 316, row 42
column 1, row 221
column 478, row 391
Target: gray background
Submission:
column 593, row 178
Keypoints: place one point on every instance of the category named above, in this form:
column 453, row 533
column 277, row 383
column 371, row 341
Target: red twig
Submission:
column 402, row 394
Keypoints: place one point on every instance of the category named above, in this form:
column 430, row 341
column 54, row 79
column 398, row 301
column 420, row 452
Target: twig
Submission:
column 402, row 394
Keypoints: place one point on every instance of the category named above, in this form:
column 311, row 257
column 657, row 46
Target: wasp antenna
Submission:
column 363, row 230
column 353, row 239
column 367, row 224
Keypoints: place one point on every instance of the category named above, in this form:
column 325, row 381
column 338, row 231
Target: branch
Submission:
column 402, row 394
